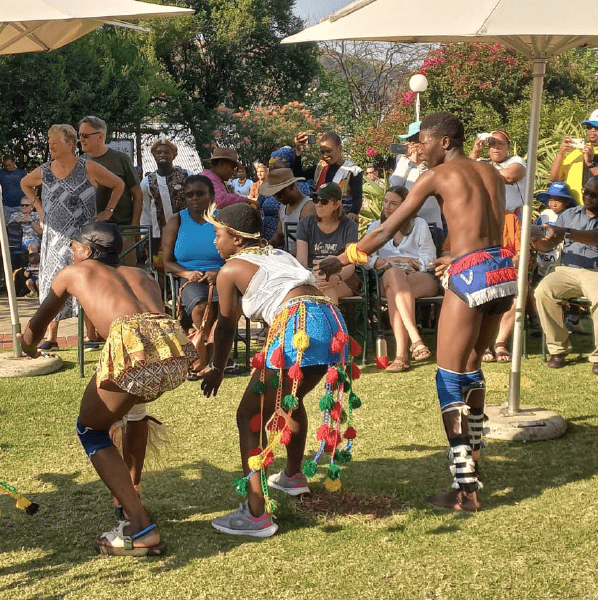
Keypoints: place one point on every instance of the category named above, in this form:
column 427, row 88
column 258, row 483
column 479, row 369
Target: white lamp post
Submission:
column 418, row 83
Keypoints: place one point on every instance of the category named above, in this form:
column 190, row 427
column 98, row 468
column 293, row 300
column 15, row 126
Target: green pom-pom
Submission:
column 347, row 386
column 289, row 402
column 240, row 484
column 326, row 402
column 275, row 380
column 334, row 472
column 259, row 387
column 343, row 418
column 342, row 457
column 342, row 376
column 354, row 401
column 309, row 468
column 270, row 505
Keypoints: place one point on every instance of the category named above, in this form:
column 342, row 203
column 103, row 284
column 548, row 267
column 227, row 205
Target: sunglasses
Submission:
column 85, row 136
column 323, row 201
column 26, row 204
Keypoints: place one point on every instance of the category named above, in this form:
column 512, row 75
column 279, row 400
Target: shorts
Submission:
column 319, row 319
column 145, row 355
column 485, row 279
column 195, row 293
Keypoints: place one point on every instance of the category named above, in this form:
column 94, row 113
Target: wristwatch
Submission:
column 567, row 235
column 109, row 209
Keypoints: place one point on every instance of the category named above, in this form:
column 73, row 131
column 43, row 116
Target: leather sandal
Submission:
column 419, row 351
column 398, row 365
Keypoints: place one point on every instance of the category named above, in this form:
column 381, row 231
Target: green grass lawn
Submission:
column 536, row 537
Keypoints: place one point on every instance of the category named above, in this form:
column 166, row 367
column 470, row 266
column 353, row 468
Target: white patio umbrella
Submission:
column 538, row 29
column 43, row 25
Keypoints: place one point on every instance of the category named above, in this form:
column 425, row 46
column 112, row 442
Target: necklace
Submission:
column 252, row 250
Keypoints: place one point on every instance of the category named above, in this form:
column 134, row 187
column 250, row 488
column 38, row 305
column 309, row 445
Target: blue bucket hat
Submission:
column 557, row 189
column 413, row 130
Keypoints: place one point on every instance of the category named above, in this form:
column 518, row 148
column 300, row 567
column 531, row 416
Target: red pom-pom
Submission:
column 328, row 448
column 276, row 424
column 350, row 433
column 332, row 376
column 335, row 413
column 255, row 451
column 259, row 360
column 277, row 358
column 339, row 339
column 333, row 438
column 323, row 432
column 295, row 372
column 255, row 423
column 355, row 371
column 268, row 458
column 286, row 436
column 355, row 348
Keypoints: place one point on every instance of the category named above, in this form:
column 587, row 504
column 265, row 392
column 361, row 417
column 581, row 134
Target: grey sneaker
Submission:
column 289, row 485
column 242, row 522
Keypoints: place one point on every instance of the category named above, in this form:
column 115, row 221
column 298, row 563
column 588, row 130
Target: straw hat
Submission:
column 278, row 179
column 224, row 154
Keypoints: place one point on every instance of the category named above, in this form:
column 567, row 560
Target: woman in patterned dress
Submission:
column 68, row 201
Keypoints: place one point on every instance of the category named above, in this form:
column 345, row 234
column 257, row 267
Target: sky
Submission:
column 311, row 11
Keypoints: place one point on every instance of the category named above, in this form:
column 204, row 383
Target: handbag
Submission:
column 198, row 337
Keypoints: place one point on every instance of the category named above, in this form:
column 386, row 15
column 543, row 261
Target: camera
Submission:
column 578, row 143
column 311, row 138
column 398, row 148
column 484, row 136
column 538, row 231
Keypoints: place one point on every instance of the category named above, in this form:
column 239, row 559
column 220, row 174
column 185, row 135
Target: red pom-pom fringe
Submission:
column 505, row 253
column 333, row 438
column 336, row 411
column 286, row 436
column 259, row 360
column 277, row 358
column 255, row 423
column 339, row 339
column 355, row 348
column 350, row 433
column 295, row 372
column 355, row 371
column 268, row 458
column 322, row 432
column 332, row 376
column 501, row 275
column 255, row 451
column 471, row 260
column 328, row 448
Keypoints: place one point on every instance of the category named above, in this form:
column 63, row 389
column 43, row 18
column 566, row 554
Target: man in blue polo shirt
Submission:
column 10, row 181
column 576, row 276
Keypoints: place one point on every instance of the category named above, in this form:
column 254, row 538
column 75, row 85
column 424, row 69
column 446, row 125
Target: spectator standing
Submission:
column 575, row 165
column 10, row 180
column 68, row 202
column 333, row 168
column 577, row 275
column 92, row 136
column 223, row 162
column 242, row 184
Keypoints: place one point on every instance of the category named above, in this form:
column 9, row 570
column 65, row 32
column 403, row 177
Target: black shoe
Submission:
column 48, row 345
column 557, row 361
column 92, row 345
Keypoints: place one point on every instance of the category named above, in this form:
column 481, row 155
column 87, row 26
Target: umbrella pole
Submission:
column 539, row 71
column 10, row 284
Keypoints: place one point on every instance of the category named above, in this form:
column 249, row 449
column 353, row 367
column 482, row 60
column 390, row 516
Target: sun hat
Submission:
column 278, row 179
column 592, row 119
column 412, row 131
column 224, row 154
column 330, row 191
column 557, row 189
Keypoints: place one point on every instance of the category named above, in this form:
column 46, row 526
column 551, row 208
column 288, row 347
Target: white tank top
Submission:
column 278, row 273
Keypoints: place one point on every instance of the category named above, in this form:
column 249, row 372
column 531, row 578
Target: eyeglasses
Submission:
column 85, row 136
column 323, row 201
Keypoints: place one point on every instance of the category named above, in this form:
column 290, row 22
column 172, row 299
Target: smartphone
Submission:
column 578, row 143
column 538, row 231
column 311, row 138
column 398, row 148
column 484, row 136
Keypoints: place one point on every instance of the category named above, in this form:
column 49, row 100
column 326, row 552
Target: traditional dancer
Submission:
column 146, row 353
column 480, row 285
column 307, row 339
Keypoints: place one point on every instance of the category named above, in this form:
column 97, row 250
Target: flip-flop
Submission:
column 122, row 545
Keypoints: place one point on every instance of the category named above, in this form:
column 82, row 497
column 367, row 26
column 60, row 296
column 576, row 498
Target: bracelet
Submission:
column 354, row 255
column 215, row 368
column 109, row 209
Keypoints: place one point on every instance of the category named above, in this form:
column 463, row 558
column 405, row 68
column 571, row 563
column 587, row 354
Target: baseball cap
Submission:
column 330, row 191
column 557, row 189
column 592, row 119
column 413, row 130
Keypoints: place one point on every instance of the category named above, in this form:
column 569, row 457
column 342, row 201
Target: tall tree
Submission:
column 229, row 54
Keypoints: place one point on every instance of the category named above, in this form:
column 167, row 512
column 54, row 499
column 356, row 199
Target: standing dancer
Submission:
column 307, row 338
column 480, row 284
column 146, row 353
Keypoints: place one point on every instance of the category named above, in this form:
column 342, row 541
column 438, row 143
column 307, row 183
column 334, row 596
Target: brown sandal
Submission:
column 488, row 356
column 502, row 353
column 419, row 351
column 398, row 365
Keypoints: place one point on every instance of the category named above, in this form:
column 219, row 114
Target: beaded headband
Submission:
column 210, row 217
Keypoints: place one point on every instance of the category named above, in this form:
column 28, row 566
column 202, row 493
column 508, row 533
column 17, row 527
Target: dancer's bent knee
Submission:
column 93, row 440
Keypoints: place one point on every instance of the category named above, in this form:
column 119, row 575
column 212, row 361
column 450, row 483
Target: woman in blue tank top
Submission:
column 189, row 251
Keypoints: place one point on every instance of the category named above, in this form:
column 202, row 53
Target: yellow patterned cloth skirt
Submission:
column 145, row 355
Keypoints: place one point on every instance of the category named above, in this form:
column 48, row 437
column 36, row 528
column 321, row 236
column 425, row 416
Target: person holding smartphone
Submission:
column 573, row 164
